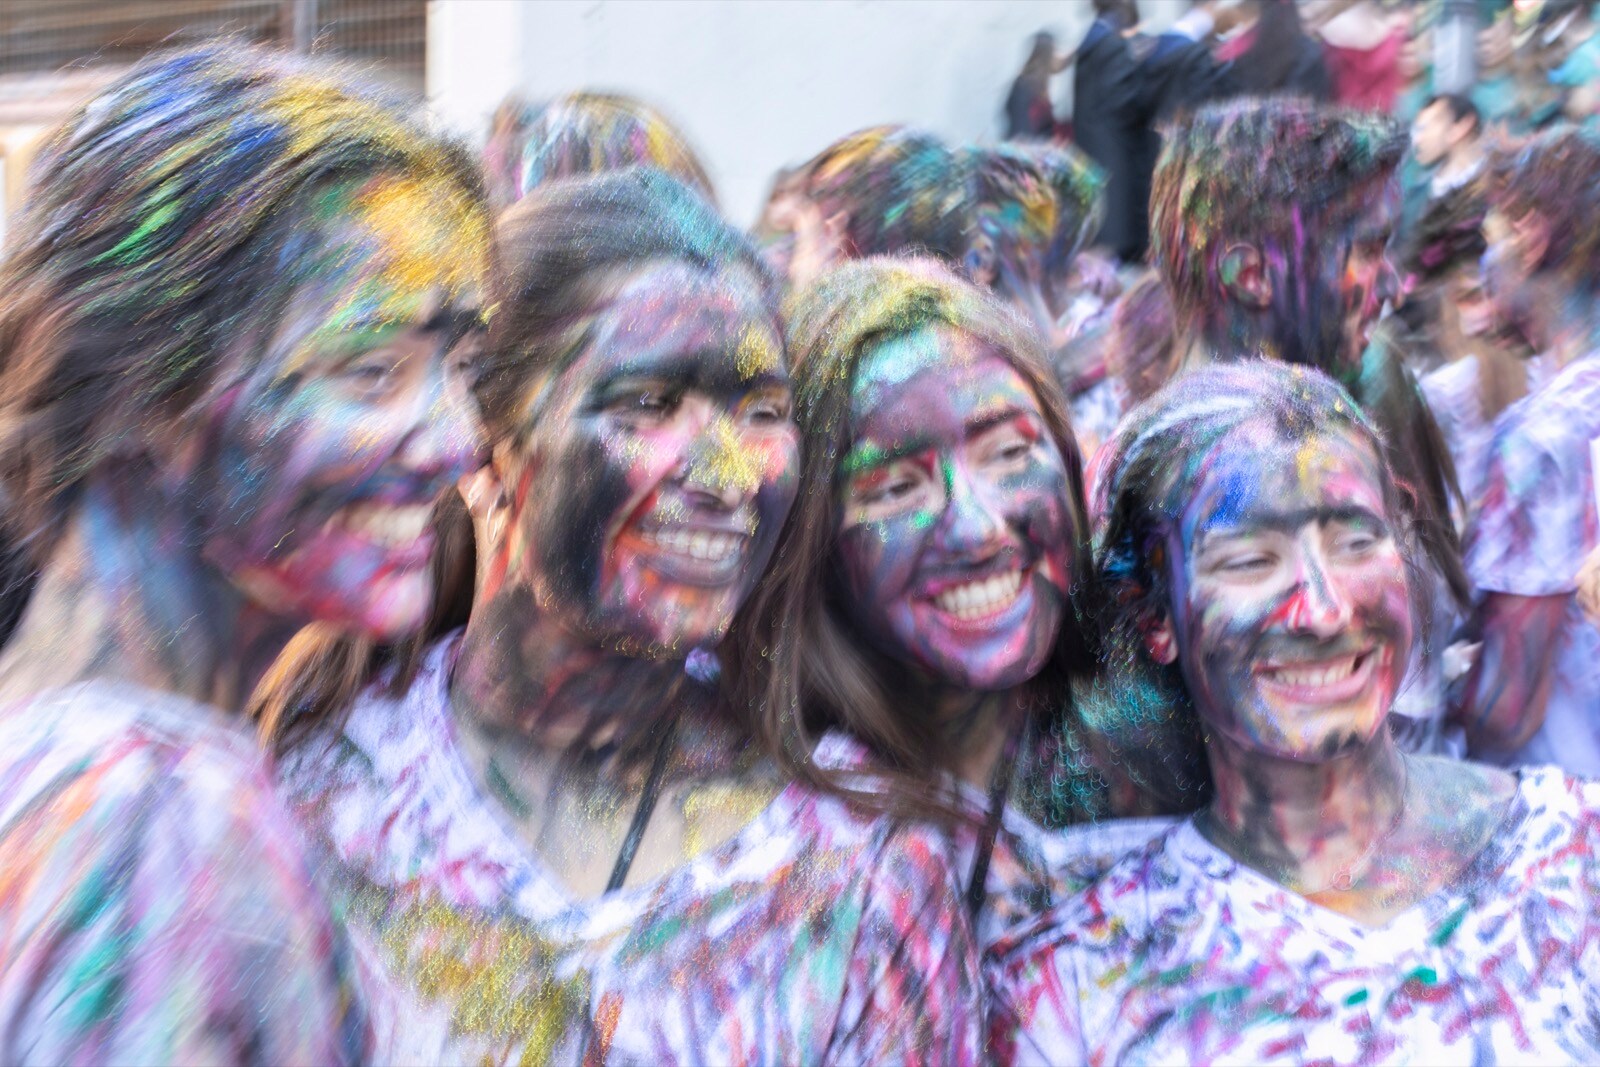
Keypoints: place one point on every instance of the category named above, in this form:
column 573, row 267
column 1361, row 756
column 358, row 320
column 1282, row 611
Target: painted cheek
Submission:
column 880, row 560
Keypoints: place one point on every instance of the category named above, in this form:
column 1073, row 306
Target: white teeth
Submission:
column 388, row 527
column 1326, row 675
column 709, row 547
column 974, row 600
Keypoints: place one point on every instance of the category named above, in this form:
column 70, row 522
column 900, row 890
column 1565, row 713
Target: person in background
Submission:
column 878, row 191
column 1447, row 138
column 1141, row 352
column 1273, row 55
column 1531, row 697
column 590, row 133
column 1362, row 46
column 238, row 322
column 502, row 151
column 1110, row 126
column 1330, row 898
column 1179, row 72
column 1030, row 112
column 1470, row 371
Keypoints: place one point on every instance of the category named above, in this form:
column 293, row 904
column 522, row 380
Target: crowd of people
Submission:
column 492, row 609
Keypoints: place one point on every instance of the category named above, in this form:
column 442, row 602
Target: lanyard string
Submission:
column 999, row 789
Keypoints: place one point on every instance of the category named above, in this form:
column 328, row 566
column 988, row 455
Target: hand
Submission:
column 1589, row 587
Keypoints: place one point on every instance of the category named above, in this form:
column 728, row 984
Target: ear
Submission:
column 981, row 261
column 1159, row 639
column 1244, row 276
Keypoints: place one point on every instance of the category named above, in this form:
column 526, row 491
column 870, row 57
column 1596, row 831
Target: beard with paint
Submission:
column 955, row 547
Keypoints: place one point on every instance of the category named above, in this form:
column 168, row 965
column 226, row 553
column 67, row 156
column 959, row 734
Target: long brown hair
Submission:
column 793, row 655
column 558, row 249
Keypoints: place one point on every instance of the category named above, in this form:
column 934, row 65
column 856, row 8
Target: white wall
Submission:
column 755, row 84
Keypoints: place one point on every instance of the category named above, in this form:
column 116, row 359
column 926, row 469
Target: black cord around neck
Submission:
column 646, row 808
column 999, row 789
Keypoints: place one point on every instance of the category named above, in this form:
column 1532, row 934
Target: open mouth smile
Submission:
column 695, row 556
column 1326, row 681
column 981, row 601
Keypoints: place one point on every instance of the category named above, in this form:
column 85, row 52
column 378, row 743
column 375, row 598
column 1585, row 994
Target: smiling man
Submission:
column 1329, row 896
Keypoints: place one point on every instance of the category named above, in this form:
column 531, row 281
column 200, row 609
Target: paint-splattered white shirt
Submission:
column 816, row 934
column 155, row 903
column 1181, row 955
column 1032, row 868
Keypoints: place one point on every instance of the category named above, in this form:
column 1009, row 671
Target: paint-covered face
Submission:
column 1289, row 594
column 660, row 464
column 1368, row 279
column 956, row 541
column 324, row 460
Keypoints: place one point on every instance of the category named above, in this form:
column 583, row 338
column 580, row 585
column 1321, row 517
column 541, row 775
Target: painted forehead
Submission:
column 1257, row 476
column 716, row 322
column 949, row 353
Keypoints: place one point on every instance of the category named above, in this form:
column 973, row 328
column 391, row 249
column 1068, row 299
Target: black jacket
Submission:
column 1180, row 74
column 1110, row 125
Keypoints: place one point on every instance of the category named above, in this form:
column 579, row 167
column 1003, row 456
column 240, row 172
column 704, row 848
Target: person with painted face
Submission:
column 925, row 597
column 235, row 324
column 1270, row 221
column 1534, row 692
column 555, row 844
column 586, row 133
column 1330, row 897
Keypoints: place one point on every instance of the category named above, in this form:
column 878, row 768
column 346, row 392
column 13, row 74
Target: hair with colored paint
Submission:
column 1157, row 458
column 171, row 220
column 1553, row 179
column 562, row 249
column 1280, row 175
column 794, row 653
column 1079, row 186
column 582, row 134
column 899, row 189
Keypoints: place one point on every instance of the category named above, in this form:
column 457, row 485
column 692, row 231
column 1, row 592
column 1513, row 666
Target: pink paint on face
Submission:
column 956, row 541
column 1289, row 592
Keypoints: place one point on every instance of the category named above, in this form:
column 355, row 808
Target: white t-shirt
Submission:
column 1033, row 868
column 1181, row 955
column 817, row 933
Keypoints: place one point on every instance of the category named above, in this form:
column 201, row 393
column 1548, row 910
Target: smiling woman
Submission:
column 926, row 597
column 558, row 846
column 231, row 355
column 1331, row 893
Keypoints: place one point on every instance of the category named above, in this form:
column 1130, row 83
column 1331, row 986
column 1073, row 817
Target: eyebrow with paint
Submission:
column 868, row 454
column 1288, row 522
